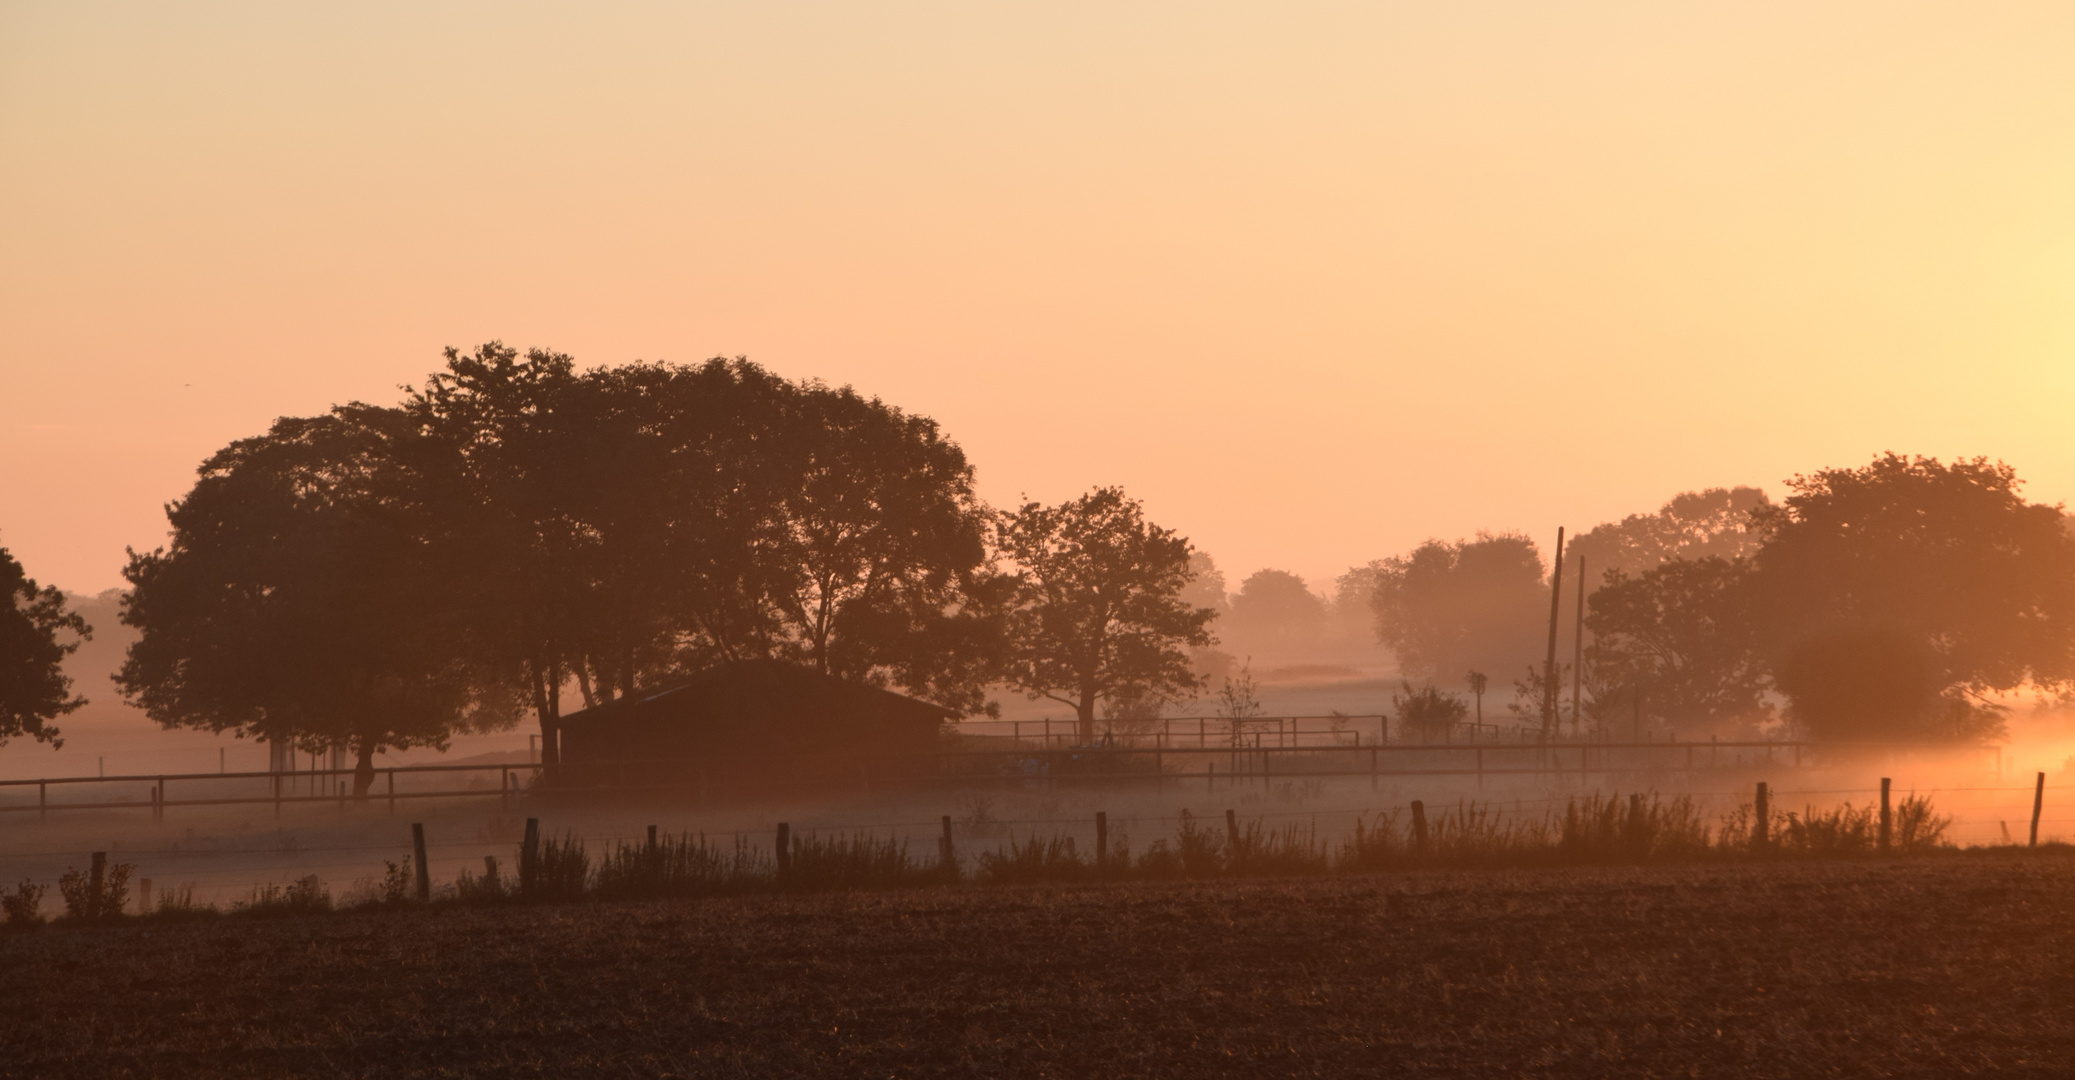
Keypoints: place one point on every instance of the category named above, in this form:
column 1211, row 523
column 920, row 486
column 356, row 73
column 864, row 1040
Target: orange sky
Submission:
column 1315, row 281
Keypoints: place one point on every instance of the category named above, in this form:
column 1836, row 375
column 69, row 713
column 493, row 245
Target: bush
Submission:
column 24, row 904
column 1917, row 827
column 98, row 894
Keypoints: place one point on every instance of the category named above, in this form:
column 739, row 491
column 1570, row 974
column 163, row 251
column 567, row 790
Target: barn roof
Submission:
column 766, row 678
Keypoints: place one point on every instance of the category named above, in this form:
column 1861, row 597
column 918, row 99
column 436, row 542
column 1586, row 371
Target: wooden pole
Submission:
column 1232, row 830
column 97, row 876
column 2038, row 804
column 1419, row 826
column 1886, row 817
column 1549, row 676
column 418, row 854
column 1578, row 653
column 785, row 847
column 529, row 856
column 1102, row 840
column 1761, row 834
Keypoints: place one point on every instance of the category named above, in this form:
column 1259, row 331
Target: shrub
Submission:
column 24, row 904
column 99, row 894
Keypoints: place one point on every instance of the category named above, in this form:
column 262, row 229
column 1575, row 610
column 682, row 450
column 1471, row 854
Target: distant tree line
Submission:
column 1899, row 600
column 387, row 576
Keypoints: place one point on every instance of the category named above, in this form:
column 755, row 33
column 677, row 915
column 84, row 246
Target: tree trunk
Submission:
column 364, row 769
column 1084, row 718
column 546, row 705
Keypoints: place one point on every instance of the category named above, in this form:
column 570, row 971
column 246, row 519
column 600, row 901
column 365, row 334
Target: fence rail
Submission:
column 1256, row 762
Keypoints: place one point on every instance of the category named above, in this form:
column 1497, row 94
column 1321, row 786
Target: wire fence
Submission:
column 189, row 864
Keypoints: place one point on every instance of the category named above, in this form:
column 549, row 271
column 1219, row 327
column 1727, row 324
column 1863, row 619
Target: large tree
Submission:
column 299, row 601
column 1275, row 611
column 626, row 524
column 1097, row 611
column 1681, row 635
column 1478, row 605
column 1950, row 556
column 34, row 625
column 885, row 548
column 1693, row 525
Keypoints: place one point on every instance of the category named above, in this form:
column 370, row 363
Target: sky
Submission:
column 1314, row 281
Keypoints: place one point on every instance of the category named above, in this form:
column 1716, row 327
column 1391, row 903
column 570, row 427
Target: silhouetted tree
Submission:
column 1687, row 629
column 1949, row 554
column 297, row 602
column 627, row 524
column 1860, row 680
column 1097, row 608
column 1694, row 525
column 1275, row 610
column 33, row 687
column 1452, row 606
column 885, row 551
column 1478, row 682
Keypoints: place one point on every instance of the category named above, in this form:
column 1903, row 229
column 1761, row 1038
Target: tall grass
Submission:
column 1638, row 828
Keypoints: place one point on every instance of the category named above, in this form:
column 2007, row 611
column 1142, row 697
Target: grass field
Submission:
column 1943, row 966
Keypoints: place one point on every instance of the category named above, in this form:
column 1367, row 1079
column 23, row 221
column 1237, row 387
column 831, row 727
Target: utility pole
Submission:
column 1549, row 675
column 1578, row 652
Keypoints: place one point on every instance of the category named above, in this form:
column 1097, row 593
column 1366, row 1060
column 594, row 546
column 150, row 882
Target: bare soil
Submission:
column 1947, row 966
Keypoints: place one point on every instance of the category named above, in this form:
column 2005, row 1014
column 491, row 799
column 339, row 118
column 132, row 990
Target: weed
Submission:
column 1917, row 827
column 306, row 896
column 1050, row 859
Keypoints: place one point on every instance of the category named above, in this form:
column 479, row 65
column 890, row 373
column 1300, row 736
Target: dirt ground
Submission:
column 1946, row 966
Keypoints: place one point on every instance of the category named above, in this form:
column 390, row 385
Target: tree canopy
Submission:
column 34, row 627
column 1450, row 607
column 1097, row 610
column 296, row 602
column 520, row 524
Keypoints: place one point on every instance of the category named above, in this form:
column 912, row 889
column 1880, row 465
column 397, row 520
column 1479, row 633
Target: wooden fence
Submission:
column 1260, row 760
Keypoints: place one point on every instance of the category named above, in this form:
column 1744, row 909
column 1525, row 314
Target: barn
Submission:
column 749, row 728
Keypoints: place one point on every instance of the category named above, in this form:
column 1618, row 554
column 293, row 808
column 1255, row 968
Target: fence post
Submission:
column 1419, row 826
column 97, row 876
column 785, row 847
column 1887, row 833
column 418, row 854
column 529, row 855
column 1102, row 840
column 2038, row 804
column 1232, row 829
column 1761, row 832
column 946, row 856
